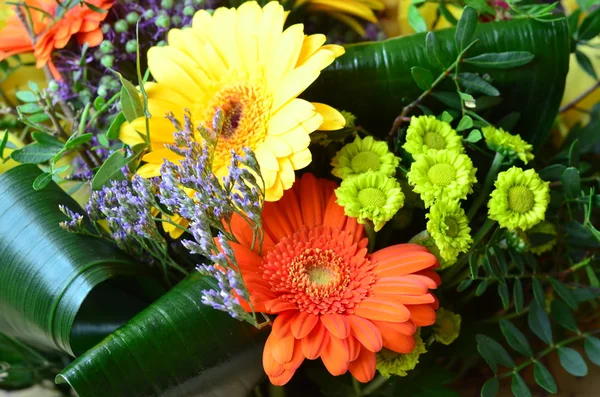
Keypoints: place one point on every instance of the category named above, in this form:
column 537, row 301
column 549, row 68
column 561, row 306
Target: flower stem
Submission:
column 374, row 385
column 487, row 186
column 370, row 231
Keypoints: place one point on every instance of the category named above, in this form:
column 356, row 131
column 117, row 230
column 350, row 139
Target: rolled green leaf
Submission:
column 374, row 80
column 54, row 289
column 175, row 347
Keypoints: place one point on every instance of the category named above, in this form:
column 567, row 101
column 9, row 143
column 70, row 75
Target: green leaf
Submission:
column 450, row 99
column 574, row 153
column 99, row 102
column 474, row 136
column 592, row 349
column 131, row 104
column 564, row 293
column 423, row 77
column 3, row 144
column 415, row 20
column 590, row 27
column 38, row 117
column 475, row 83
column 584, row 63
column 490, row 387
column 115, row 126
column 465, row 29
column 29, row 108
column 562, row 315
column 34, row 153
column 463, row 285
column 509, row 121
column 26, row 96
column 481, row 287
column 473, row 264
column 544, row 378
column 54, row 289
column 539, row 323
column 110, row 170
column 573, row 20
column 501, row 60
column 493, row 353
column 538, row 292
column 571, row 182
column 518, row 295
column 80, row 140
column 177, row 346
column 47, row 140
column 465, row 123
column 447, row 117
column 373, row 80
column 552, row 172
column 435, row 52
column 42, row 181
column 447, row 14
column 519, row 387
column 503, row 293
column 515, row 338
column 572, row 361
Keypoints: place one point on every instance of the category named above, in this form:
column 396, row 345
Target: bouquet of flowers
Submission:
column 282, row 198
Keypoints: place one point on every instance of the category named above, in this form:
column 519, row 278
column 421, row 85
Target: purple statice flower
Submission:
column 222, row 298
column 75, row 222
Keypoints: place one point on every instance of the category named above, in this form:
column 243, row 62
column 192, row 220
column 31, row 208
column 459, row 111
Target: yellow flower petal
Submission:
column 290, row 115
column 332, row 119
column 310, row 45
column 300, row 159
column 149, row 170
column 286, row 174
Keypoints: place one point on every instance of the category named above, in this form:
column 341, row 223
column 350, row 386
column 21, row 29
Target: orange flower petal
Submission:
column 335, row 356
column 382, row 309
column 431, row 274
column 422, row 315
column 271, row 367
column 366, row 333
column 429, row 282
column 396, row 341
column 314, row 343
column 397, row 261
column 415, row 299
column 363, row 368
column 405, row 328
column 354, row 347
column 336, row 324
column 310, row 201
column 303, row 323
column 399, row 285
column 92, row 38
column 279, row 305
column 282, row 348
column 334, row 214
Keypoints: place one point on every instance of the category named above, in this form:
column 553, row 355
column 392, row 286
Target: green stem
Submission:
column 370, row 231
column 356, row 387
column 482, row 232
column 490, row 178
column 374, row 385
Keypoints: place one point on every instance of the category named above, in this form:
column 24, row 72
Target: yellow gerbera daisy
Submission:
column 346, row 10
column 239, row 62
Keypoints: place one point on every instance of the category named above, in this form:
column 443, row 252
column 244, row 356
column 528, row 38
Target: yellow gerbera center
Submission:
column 365, row 161
column 441, row 174
column 453, row 228
column 246, row 107
column 372, row 197
column 317, row 271
column 520, row 199
column 433, row 140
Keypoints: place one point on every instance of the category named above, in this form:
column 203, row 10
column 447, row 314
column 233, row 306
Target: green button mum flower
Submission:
column 441, row 174
column 364, row 155
column 427, row 132
column 447, row 326
column 546, row 228
column 508, row 145
column 372, row 195
column 520, row 199
column 449, row 227
column 391, row 363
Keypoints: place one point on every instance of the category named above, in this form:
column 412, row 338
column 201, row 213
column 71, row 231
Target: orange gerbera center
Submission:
column 320, row 270
column 246, row 108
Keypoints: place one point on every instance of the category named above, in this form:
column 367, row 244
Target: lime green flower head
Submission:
column 546, row 228
column 441, row 174
column 391, row 363
column 449, row 227
column 508, row 145
column 520, row 199
column 428, row 133
column 372, row 195
column 447, row 326
column 364, row 155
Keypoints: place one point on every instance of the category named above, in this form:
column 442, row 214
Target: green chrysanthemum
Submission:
column 364, row 155
column 426, row 132
column 520, row 199
column 449, row 227
column 546, row 228
column 441, row 174
column 510, row 146
column 391, row 363
column 372, row 195
column 447, row 326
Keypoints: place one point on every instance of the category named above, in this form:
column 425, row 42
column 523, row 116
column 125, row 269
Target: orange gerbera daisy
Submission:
column 333, row 299
column 79, row 21
column 14, row 38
